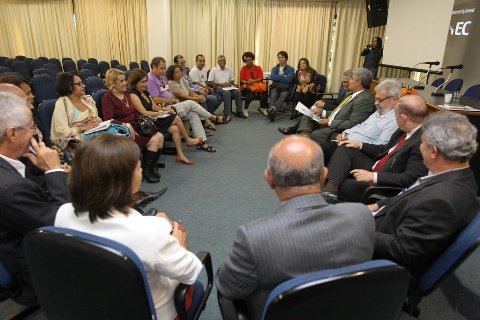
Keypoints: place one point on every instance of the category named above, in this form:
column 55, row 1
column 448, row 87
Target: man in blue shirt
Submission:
column 379, row 127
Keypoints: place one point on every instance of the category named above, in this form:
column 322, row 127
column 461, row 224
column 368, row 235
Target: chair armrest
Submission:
column 376, row 193
column 181, row 290
column 233, row 309
column 326, row 95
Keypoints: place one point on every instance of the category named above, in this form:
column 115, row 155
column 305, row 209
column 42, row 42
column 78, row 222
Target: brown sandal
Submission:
column 224, row 119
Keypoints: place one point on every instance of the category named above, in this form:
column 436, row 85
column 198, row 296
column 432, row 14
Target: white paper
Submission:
column 101, row 126
column 229, row 88
column 458, row 108
column 306, row 111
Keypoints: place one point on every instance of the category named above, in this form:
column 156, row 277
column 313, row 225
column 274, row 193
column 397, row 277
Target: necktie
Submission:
column 337, row 109
column 381, row 163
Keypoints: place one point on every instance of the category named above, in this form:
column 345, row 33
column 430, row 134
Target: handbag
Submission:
column 113, row 128
column 281, row 86
column 258, row 87
column 147, row 126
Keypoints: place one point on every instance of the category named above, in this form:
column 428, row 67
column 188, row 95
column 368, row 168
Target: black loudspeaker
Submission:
column 377, row 12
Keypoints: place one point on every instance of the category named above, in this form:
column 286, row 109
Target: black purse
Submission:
column 147, row 126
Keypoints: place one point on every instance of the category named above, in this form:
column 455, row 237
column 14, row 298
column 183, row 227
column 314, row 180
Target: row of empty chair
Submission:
column 28, row 67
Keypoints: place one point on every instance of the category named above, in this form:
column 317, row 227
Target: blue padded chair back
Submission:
column 44, row 59
column 97, row 97
column 21, row 67
column 103, row 67
column 473, row 92
column 438, row 82
column 5, row 278
column 91, row 66
column 43, row 87
column 121, row 67
column 20, row 58
column 85, row 74
column 4, row 69
column 82, row 276
column 454, row 85
column 370, row 290
column 57, row 63
column 127, row 74
column 93, row 61
column 8, row 63
column 322, row 82
column 144, row 65
column 133, row 65
column 36, row 64
column 44, row 71
column 94, row 84
column 2, row 61
column 114, row 63
column 465, row 243
column 80, row 63
column 45, row 114
column 69, row 65
column 52, row 67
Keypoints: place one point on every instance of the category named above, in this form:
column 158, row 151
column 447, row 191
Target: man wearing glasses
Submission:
column 379, row 127
column 25, row 204
column 356, row 165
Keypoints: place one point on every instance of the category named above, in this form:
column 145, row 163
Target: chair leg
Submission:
column 411, row 303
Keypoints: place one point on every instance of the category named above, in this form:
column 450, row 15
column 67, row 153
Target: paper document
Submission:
column 101, row 126
column 229, row 88
column 458, row 108
column 306, row 111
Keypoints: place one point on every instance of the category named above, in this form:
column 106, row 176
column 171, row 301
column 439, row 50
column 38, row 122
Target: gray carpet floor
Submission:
column 226, row 189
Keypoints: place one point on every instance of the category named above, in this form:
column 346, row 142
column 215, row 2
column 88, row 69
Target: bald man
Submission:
column 304, row 235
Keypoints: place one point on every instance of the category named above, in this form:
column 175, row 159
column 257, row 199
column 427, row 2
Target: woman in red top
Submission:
column 117, row 106
column 250, row 74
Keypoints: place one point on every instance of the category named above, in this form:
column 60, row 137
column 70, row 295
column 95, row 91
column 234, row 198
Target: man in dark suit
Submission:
column 354, row 109
column 356, row 165
column 419, row 223
column 25, row 205
column 329, row 104
column 304, row 235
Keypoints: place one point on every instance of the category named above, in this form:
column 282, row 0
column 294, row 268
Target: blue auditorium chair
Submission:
column 93, row 61
column 21, row 67
column 144, row 65
column 94, row 84
column 69, row 65
column 45, row 114
column 44, row 71
column 97, row 97
column 85, row 74
column 80, row 63
column 473, row 92
column 4, row 69
column 121, row 67
column 103, row 67
column 44, row 59
column 454, row 85
column 91, row 66
column 56, row 62
column 133, row 65
column 52, row 67
column 114, row 63
column 431, row 277
column 438, row 82
column 43, row 87
column 36, row 64
column 82, row 276
column 373, row 290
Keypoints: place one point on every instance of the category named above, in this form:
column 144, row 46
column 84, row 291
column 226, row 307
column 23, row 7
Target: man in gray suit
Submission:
column 305, row 234
column 355, row 108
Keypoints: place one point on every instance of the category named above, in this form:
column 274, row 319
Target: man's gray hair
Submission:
column 284, row 176
column 348, row 73
column 364, row 75
column 391, row 87
column 12, row 112
column 453, row 135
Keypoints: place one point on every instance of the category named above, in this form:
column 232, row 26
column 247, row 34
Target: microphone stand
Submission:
column 441, row 94
column 418, row 86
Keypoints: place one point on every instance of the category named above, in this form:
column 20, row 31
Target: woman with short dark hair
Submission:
column 251, row 76
column 75, row 112
column 106, row 211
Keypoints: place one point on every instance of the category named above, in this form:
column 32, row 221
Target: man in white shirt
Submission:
column 198, row 75
column 221, row 78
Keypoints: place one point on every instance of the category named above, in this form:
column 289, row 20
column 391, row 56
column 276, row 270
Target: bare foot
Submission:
column 192, row 142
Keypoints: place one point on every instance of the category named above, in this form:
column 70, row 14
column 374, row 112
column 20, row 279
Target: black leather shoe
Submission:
column 240, row 114
column 145, row 197
column 330, row 197
column 272, row 111
column 285, row 131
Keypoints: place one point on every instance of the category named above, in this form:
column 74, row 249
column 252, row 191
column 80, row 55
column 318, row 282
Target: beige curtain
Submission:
column 231, row 27
column 37, row 28
column 112, row 29
column 351, row 36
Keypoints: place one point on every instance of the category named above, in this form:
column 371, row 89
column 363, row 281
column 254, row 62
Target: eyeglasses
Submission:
column 33, row 127
column 79, row 83
column 381, row 99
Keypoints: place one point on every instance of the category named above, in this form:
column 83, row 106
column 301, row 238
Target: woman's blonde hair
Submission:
column 111, row 77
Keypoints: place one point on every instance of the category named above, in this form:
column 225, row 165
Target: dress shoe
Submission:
column 263, row 111
column 272, row 111
column 285, row 131
column 145, row 197
column 240, row 114
column 330, row 197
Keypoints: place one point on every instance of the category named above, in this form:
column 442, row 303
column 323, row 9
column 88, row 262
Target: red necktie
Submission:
column 381, row 163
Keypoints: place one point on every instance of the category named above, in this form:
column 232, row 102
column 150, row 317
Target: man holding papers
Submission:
column 354, row 109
